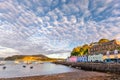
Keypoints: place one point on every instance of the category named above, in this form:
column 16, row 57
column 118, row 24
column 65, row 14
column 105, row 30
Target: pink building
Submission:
column 73, row 59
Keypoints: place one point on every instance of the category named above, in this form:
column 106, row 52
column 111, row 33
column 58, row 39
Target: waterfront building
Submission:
column 99, row 52
column 72, row 59
column 112, row 57
column 95, row 58
column 109, row 50
column 79, row 59
column 104, row 47
column 98, row 57
column 82, row 59
column 90, row 58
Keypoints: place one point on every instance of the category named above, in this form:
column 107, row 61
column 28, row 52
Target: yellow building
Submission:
column 112, row 56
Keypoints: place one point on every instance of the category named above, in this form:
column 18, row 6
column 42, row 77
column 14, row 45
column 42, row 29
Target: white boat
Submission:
column 2, row 62
column 39, row 62
column 16, row 62
column 28, row 62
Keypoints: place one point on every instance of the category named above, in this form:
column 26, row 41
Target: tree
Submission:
column 103, row 41
column 80, row 50
column 75, row 51
column 85, row 49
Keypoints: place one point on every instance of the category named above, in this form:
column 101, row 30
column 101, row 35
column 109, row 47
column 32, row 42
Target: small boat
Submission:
column 39, row 62
column 16, row 62
column 24, row 66
column 4, row 67
column 2, row 62
column 31, row 67
column 28, row 62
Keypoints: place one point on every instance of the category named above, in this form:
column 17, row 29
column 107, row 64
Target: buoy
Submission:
column 4, row 67
column 31, row 67
column 24, row 66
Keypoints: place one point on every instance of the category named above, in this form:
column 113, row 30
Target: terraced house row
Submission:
column 104, row 52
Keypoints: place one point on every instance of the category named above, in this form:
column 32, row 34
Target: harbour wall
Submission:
column 89, row 66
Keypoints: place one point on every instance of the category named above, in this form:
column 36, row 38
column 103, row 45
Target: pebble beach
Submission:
column 77, row 75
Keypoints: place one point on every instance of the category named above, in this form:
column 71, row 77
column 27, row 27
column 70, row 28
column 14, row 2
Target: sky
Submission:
column 55, row 27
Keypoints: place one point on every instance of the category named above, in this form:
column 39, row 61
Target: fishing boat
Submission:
column 39, row 62
column 2, row 62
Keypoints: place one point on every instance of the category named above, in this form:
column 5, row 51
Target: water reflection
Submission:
column 19, row 70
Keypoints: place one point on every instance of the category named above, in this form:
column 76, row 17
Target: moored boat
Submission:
column 2, row 62
column 16, row 62
column 39, row 62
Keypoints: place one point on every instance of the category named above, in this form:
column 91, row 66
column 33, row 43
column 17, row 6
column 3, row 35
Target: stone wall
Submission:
column 102, row 67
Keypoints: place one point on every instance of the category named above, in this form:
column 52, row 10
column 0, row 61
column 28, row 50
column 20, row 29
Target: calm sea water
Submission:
column 17, row 70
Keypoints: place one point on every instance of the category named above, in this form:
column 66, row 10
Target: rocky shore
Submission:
column 78, row 75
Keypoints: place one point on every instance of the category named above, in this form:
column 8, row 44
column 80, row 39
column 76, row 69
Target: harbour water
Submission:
column 10, row 69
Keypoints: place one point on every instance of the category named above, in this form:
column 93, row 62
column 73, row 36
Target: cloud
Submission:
column 59, row 55
column 4, row 51
column 54, row 26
